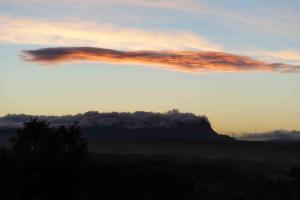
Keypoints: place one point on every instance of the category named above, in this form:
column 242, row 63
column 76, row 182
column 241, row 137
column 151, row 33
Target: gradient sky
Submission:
column 235, row 101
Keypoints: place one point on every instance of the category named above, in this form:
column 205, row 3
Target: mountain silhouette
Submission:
column 124, row 125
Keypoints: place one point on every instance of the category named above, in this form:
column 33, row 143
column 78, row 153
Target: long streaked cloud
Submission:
column 279, row 19
column 162, row 4
column 80, row 33
column 188, row 61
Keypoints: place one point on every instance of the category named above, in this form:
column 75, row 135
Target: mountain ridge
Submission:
column 129, row 125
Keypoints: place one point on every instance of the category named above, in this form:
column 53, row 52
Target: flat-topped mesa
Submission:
column 140, row 124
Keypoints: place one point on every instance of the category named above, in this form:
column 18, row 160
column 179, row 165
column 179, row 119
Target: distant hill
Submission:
column 125, row 125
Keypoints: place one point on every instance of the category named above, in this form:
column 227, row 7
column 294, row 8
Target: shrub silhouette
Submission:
column 51, row 159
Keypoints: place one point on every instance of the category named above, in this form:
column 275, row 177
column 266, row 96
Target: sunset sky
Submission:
column 237, row 62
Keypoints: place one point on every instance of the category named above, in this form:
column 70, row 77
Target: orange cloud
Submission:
column 188, row 61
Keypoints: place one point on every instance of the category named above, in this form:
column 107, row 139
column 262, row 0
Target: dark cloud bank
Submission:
column 188, row 61
column 137, row 125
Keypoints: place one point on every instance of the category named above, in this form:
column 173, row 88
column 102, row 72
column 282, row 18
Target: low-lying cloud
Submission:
column 188, row 61
column 272, row 135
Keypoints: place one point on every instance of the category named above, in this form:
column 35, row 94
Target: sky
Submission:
column 237, row 62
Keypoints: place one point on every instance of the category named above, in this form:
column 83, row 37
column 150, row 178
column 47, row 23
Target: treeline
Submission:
column 44, row 162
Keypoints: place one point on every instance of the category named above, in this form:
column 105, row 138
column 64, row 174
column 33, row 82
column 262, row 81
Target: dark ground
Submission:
column 277, row 152
column 175, row 169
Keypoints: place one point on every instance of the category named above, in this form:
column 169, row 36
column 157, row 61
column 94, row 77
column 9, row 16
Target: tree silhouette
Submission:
column 51, row 159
